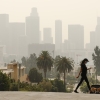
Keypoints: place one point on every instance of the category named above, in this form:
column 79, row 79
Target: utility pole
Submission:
column 19, row 64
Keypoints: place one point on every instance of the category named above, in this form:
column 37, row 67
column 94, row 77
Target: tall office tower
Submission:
column 92, row 40
column 1, row 56
column 4, row 30
column 47, row 36
column 37, row 48
column 87, row 46
column 58, row 35
column 32, row 27
column 15, row 30
column 65, row 46
column 97, row 32
column 98, row 20
column 76, row 36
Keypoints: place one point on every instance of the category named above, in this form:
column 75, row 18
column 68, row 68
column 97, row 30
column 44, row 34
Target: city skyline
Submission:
column 69, row 11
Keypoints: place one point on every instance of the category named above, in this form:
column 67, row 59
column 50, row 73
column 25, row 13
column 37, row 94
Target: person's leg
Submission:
column 79, row 83
column 86, row 80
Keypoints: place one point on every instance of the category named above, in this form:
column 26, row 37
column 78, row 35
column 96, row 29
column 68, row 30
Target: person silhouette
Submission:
column 83, row 72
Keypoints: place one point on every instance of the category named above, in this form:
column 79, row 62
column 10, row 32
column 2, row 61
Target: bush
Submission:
column 14, row 87
column 58, row 86
column 45, row 86
column 4, row 82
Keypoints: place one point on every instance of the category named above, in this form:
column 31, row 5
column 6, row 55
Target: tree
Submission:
column 64, row 65
column 35, row 76
column 14, row 61
column 45, row 62
column 4, row 82
column 29, row 62
column 32, row 61
column 24, row 61
column 96, row 58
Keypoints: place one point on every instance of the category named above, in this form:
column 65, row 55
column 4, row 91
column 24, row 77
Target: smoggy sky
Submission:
column 84, row 12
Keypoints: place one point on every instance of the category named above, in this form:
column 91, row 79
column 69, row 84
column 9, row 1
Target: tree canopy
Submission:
column 35, row 76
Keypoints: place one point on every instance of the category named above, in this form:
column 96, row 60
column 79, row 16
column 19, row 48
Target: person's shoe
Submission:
column 76, row 91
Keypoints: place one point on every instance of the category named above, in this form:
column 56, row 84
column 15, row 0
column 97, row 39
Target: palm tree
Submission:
column 45, row 62
column 64, row 65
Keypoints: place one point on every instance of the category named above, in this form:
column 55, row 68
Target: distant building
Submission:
column 23, row 46
column 47, row 38
column 65, row 46
column 58, row 35
column 33, row 27
column 76, row 36
column 4, row 30
column 87, row 46
column 38, row 48
column 15, row 31
column 12, row 70
column 92, row 40
column 1, row 55
column 97, row 33
column 98, row 20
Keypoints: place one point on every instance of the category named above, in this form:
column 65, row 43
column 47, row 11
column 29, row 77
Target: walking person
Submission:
column 83, row 72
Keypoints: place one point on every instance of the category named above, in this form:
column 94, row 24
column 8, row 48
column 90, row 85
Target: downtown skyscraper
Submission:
column 58, row 35
column 4, row 30
column 47, row 38
column 76, row 37
column 33, row 27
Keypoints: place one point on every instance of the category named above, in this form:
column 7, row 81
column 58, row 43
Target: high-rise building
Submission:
column 4, row 30
column 58, row 35
column 76, row 36
column 92, row 40
column 65, row 46
column 15, row 30
column 38, row 48
column 97, row 33
column 87, row 47
column 1, row 55
column 98, row 20
column 32, row 27
column 47, row 36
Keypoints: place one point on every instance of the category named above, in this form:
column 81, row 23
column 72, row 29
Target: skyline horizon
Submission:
column 51, row 28
column 69, row 11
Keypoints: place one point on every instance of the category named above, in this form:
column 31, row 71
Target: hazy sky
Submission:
column 82, row 12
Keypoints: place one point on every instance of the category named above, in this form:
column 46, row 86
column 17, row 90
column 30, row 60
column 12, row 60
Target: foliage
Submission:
column 14, row 87
column 71, row 79
column 58, row 76
column 96, row 58
column 64, row 65
column 58, row 86
column 69, row 88
column 84, row 87
column 45, row 85
column 35, row 76
column 4, row 82
column 45, row 62
column 14, row 61
column 30, row 62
